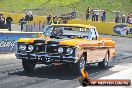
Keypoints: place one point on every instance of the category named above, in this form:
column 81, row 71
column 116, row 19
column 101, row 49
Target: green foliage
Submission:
column 57, row 7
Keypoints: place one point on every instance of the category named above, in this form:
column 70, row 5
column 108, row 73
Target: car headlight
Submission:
column 69, row 50
column 60, row 49
column 22, row 47
column 30, row 48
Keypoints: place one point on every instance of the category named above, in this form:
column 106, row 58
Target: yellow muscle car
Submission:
column 74, row 44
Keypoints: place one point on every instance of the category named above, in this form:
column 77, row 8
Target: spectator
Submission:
column 128, row 16
column 117, row 16
column 22, row 22
column 96, row 14
column 103, row 17
column 87, row 13
column 29, row 16
column 120, row 20
column 69, row 15
column 73, row 13
column 93, row 15
column 55, row 20
column 8, row 22
column 48, row 19
column 2, row 21
column 26, row 17
column 130, row 20
column 123, row 19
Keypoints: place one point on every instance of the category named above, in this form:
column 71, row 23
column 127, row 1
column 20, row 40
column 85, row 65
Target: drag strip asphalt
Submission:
column 13, row 76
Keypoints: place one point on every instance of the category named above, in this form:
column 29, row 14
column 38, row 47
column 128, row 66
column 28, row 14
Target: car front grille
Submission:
column 53, row 49
column 39, row 48
column 42, row 48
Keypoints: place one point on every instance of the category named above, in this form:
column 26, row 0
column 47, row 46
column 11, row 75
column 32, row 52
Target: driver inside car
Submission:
column 57, row 32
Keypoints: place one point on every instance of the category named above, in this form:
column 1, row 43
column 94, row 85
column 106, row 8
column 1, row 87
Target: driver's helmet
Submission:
column 57, row 32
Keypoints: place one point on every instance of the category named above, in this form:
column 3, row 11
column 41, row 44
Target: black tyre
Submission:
column 28, row 66
column 105, row 62
column 77, row 67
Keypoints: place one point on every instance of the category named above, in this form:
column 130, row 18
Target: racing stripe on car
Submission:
column 54, row 41
column 26, row 40
column 41, row 40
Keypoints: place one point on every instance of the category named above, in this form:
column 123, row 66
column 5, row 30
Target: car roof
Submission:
column 73, row 25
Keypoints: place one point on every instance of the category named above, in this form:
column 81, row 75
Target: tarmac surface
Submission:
column 13, row 76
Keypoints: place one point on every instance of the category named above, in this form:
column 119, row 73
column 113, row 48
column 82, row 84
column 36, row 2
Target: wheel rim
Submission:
column 82, row 63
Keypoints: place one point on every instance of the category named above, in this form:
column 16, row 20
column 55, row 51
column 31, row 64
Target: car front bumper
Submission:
column 45, row 58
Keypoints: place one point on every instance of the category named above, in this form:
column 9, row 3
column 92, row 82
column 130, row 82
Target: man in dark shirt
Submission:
column 2, row 20
column 103, row 17
column 87, row 13
column 22, row 22
column 48, row 19
column 8, row 22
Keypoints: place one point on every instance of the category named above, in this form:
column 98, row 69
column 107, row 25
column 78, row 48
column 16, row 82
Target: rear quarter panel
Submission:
column 97, row 49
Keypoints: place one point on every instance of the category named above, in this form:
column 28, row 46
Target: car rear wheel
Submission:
column 28, row 66
column 77, row 67
column 105, row 62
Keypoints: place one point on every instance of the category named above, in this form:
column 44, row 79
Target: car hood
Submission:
column 65, row 41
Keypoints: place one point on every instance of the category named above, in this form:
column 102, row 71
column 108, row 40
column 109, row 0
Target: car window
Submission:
column 92, row 34
column 66, row 31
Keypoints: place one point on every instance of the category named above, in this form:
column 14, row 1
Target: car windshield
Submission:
column 59, row 31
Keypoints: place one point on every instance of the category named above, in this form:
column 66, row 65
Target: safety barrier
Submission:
column 4, row 30
column 17, row 16
column 33, row 27
column 8, row 39
column 105, row 27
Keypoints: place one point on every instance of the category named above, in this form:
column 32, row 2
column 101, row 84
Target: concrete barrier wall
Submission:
column 8, row 39
column 102, row 27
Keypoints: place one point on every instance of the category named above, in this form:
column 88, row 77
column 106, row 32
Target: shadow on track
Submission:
column 64, row 72
column 60, row 72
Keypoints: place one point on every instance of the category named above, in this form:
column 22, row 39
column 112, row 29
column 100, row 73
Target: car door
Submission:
column 95, row 53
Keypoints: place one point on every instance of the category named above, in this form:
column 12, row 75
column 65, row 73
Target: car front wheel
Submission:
column 28, row 66
column 77, row 67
